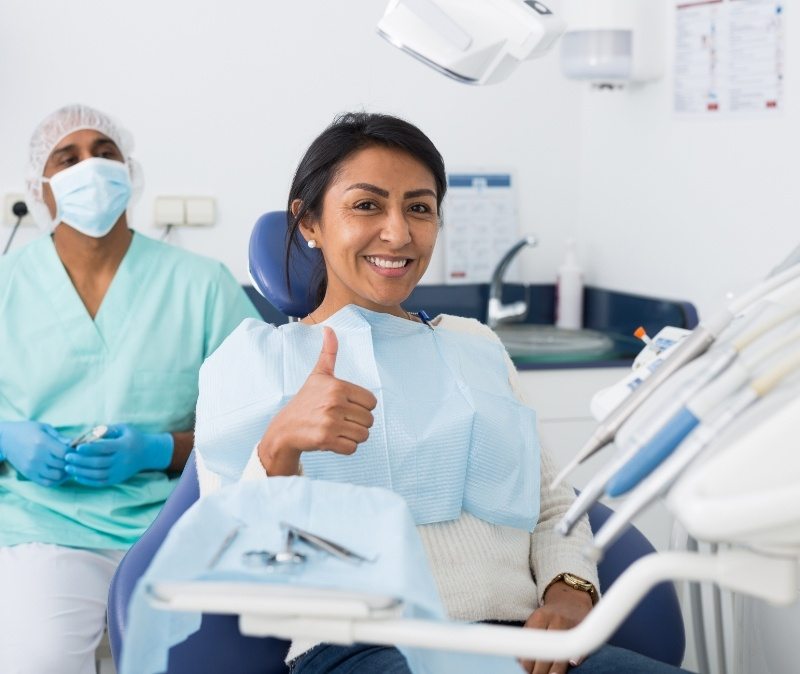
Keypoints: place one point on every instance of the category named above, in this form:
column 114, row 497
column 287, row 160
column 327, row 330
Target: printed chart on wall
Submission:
column 480, row 224
column 729, row 57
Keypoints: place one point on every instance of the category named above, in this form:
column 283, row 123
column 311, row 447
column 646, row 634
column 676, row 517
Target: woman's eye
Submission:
column 366, row 205
column 421, row 208
column 67, row 161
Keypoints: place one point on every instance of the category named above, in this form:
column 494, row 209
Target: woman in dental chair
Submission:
column 430, row 408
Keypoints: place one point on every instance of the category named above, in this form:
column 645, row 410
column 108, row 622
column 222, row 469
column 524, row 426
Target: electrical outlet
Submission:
column 9, row 219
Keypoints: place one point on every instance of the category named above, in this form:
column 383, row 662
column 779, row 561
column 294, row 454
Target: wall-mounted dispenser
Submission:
column 612, row 43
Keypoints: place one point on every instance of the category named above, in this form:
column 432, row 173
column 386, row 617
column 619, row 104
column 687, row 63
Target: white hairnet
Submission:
column 56, row 126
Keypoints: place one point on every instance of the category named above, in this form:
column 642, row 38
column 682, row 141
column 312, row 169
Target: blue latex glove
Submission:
column 120, row 454
column 36, row 450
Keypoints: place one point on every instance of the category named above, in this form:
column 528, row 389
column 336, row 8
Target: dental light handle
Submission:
column 693, row 346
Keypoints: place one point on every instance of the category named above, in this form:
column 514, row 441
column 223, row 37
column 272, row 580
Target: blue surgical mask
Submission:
column 91, row 195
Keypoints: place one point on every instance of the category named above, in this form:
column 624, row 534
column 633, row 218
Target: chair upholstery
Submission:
column 266, row 257
column 655, row 628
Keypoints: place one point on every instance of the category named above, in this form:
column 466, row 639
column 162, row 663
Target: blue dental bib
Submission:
column 449, row 434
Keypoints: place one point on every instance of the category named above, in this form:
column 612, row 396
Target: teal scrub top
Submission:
column 137, row 362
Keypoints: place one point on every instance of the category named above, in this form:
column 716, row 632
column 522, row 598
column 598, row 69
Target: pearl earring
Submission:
column 311, row 243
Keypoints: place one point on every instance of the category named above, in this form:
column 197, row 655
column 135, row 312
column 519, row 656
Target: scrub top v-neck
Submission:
column 136, row 362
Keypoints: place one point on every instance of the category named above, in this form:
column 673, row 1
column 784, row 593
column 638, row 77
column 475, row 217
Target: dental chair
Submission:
column 654, row 628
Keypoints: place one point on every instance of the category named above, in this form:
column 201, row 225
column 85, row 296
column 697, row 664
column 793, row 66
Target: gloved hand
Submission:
column 120, row 454
column 36, row 450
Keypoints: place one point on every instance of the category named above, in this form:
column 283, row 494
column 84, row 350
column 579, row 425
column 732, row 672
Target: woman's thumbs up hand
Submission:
column 326, row 414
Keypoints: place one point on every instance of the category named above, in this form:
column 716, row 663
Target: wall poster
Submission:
column 729, row 56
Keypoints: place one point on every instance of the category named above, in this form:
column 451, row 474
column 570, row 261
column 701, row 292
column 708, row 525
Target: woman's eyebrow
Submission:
column 425, row 192
column 369, row 188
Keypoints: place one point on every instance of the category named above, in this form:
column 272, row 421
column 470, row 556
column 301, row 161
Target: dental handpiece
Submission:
column 659, row 482
column 690, row 348
column 697, row 343
column 696, row 410
column 750, row 338
column 594, row 490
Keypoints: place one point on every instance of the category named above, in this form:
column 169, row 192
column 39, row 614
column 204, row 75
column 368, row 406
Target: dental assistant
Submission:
column 99, row 325
column 448, row 428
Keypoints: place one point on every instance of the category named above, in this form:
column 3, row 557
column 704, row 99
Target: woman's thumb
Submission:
column 327, row 357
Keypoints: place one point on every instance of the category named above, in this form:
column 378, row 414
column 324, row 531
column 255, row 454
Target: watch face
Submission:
column 578, row 583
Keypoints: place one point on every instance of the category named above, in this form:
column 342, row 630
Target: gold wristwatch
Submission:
column 576, row 583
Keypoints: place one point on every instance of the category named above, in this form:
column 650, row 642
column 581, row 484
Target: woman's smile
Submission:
column 377, row 230
column 389, row 266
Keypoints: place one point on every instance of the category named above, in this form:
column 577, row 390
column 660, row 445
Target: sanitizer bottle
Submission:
column 569, row 291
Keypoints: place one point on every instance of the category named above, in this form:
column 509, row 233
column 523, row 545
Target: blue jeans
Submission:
column 366, row 659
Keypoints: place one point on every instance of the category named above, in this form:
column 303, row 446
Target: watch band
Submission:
column 576, row 583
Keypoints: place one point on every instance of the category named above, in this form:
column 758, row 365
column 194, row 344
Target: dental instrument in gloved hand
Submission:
column 35, row 449
column 120, row 454
column 89, row 436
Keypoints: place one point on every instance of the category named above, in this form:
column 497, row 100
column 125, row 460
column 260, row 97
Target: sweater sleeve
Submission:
column 550, row 553
column 253, row 470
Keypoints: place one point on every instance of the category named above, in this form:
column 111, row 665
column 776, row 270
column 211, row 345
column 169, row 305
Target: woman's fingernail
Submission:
column 574, row 663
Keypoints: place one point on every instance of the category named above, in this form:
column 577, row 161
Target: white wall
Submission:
column 687, row 208
column 224, row 97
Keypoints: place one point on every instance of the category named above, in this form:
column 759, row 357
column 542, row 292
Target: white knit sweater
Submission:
column 485, row 571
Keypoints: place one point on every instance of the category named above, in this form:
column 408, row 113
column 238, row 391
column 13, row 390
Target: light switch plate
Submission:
column 169, row 211
column 200, row 211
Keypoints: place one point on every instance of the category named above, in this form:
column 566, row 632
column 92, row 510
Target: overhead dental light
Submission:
column 475, row 41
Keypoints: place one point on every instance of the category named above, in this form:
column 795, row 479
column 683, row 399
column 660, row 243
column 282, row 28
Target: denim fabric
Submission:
column 613, row 660
column 366, row 659
column 328, row 658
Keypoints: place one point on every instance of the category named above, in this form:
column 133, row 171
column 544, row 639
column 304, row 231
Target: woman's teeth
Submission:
column 386, row 264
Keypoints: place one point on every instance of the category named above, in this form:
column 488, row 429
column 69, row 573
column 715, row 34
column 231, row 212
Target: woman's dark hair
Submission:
column 347, row 134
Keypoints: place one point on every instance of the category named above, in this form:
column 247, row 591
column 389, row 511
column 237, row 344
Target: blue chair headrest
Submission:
column 267, row 268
